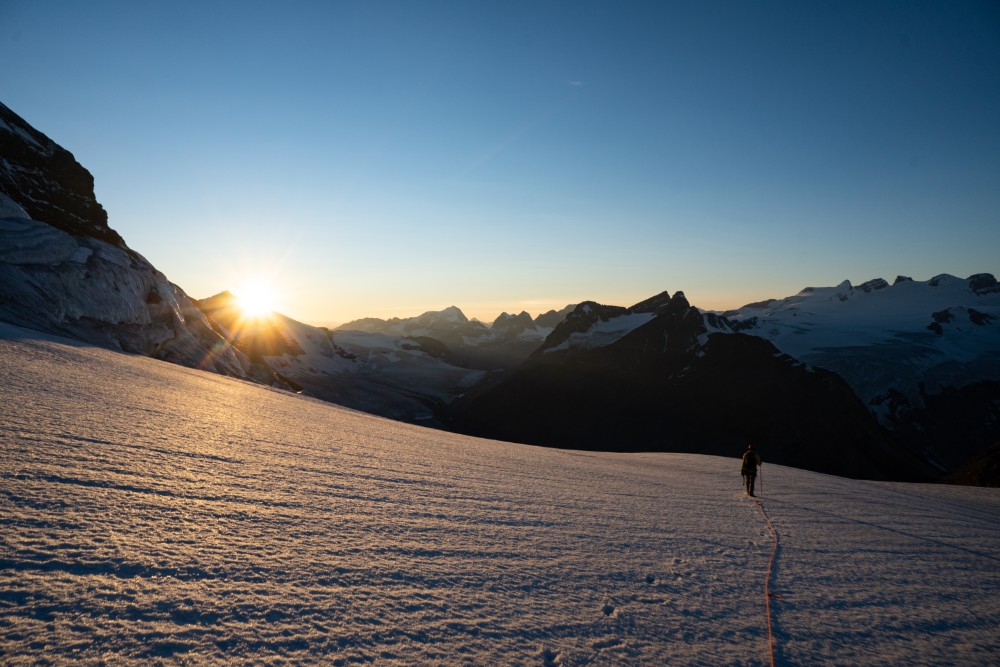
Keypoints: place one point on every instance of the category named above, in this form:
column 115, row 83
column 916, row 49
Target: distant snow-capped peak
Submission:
column 909, row 339
column 820, row 317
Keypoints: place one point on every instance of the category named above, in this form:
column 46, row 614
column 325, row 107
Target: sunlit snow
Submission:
column 151, row 512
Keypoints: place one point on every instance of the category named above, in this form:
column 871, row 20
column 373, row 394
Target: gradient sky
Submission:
column 388, row 158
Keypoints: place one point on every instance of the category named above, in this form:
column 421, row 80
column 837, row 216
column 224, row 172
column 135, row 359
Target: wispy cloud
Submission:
column 576, row 83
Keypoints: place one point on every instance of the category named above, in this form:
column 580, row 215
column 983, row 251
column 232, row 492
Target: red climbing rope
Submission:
column 767, row 582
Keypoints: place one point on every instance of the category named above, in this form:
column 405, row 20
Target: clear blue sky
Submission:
column 387, row 158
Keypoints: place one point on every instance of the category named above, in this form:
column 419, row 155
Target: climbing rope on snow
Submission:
column 767, row 581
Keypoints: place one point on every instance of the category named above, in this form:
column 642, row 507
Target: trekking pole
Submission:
column 760, row 471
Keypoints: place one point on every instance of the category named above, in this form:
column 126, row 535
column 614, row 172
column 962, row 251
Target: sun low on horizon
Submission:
column 256, row 298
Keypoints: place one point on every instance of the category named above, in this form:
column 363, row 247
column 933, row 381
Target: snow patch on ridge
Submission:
column 603, row 332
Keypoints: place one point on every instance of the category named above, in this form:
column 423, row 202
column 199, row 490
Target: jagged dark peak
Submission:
column 507, row 316
column 679, row 302
column 652, row 304
column 47, row 182
column 520, row 321
column 902, row 279
column 983, row 283
column 679, row 310
column 873, row 284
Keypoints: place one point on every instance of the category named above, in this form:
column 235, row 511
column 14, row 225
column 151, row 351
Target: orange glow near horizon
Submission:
column 256, row 299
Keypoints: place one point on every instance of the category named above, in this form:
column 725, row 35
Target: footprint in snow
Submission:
column 608, row 608
column 550, row 658
column 607, row 642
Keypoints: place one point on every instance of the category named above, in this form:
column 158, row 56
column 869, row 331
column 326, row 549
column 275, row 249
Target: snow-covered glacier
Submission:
column 157, row 514
column 912, row 337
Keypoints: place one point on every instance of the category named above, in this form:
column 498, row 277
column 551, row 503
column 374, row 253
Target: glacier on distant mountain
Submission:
column 887, row 339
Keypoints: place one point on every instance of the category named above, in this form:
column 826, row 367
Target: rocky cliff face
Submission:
column 48, row 183
column 64, row 271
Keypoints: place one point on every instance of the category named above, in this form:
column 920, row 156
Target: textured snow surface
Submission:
column 154, row 514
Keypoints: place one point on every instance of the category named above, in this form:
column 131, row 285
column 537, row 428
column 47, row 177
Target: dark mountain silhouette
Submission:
column 983, row 470
column 671, row 385
column 48, row 182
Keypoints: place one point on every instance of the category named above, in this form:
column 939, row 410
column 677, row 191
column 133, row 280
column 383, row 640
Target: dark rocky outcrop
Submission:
column 873, row 284
column 983, row 283
column 48, row 182
column 983, row 470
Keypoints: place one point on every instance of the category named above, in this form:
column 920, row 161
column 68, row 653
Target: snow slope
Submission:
column 151, row 513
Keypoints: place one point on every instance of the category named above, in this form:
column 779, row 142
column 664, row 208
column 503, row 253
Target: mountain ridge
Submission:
column 921, row 357
column 678, row 382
